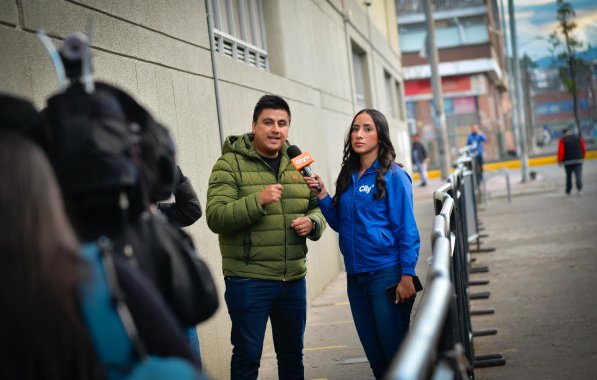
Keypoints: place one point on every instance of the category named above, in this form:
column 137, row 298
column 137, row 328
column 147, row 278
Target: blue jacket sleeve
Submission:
column 402, row 219
column 329, row 212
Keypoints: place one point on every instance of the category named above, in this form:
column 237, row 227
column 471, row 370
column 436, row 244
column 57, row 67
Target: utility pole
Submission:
column 528, row 109
column 439, row 119
column 520, row 121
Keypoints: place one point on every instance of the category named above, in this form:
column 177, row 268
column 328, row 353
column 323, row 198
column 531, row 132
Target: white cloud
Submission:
column 532, row 37
column 589, row 35
column 586, row 27
column 586, row 22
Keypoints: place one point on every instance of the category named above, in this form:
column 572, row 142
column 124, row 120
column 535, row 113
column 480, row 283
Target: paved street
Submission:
column 543, row 284
column 543, row 281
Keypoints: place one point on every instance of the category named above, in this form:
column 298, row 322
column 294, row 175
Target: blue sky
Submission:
column 536, row 20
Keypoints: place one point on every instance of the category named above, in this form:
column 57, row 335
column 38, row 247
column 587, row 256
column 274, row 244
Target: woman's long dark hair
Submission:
column 351, row 161
column 42, row 335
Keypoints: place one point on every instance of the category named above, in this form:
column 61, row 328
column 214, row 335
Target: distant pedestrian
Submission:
column 477, row 138
column 571, row 153
column 419, row 157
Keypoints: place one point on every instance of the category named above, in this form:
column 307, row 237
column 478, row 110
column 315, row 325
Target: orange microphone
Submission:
column 301, row 161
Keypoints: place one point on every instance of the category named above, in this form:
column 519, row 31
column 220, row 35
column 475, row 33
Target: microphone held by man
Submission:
column 301, row 162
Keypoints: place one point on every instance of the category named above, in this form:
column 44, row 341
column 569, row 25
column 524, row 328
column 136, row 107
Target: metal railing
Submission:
column 440, row 342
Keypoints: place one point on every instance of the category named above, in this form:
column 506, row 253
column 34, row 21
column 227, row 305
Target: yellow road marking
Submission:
column 513, row 164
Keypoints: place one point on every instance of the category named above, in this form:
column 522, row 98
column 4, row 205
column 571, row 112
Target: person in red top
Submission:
column 571, row 153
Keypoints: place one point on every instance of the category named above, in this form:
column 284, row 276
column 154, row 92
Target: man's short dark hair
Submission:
column 270, row 101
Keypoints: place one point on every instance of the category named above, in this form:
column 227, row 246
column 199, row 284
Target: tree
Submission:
column 564, row 46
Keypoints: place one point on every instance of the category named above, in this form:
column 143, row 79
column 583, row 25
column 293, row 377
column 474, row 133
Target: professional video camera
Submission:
column 114, row 161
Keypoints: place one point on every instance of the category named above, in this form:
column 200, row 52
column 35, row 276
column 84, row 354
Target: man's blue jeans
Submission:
column 381, row 324
column 250, row 303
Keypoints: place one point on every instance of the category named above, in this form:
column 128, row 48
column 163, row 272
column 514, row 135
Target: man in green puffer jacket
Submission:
column 263, row 211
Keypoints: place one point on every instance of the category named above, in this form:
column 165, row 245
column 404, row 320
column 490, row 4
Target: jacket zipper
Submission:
column 277, row 176
column 352, row 220
column 285, row 230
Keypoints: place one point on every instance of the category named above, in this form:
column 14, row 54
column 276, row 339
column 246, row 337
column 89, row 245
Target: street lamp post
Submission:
column 438, row 101
column 519, row 112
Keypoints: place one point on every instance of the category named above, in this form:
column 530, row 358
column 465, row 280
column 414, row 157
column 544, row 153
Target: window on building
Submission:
column 450, row 32
column 447, row 33
column 239, row 31
column 361, row 83
column 399, row 101
column 411, row 110
column 412, row 37
column 474, row 29
column 411, row 117
column 391, row 108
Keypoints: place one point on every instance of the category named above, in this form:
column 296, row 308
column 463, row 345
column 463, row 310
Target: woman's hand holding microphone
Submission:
column 314, row 181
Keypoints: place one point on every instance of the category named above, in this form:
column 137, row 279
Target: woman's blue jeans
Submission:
column 250, row 303
column 381, row 324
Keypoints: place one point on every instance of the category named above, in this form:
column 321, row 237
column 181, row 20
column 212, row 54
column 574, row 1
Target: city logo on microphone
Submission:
column 302, row 160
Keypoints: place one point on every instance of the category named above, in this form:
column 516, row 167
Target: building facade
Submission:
column 328, row 58
column 552, row 107
column 472, row 67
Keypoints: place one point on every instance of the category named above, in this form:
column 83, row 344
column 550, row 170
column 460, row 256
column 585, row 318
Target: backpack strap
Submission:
column 112, row 328
column 101, row 306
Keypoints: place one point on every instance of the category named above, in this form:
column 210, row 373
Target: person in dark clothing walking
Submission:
column 571, row 153
column 419, row 157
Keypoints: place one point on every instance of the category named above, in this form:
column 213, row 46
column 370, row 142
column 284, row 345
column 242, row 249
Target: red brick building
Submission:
column 473, row 70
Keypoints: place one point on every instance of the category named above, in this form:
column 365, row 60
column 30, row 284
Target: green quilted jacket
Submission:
column 258, row 241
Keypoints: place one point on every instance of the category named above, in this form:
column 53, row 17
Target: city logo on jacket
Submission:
column 366, row 188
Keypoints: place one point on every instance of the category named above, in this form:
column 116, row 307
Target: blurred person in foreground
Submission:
column 42, row 333
column 263, row 212
column 372, row 210
column 44, row 274
column 571, row 154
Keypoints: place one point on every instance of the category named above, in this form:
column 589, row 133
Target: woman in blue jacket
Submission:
column 372, row 211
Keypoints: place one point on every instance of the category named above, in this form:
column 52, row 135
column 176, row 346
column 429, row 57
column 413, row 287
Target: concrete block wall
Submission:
column 159, row 52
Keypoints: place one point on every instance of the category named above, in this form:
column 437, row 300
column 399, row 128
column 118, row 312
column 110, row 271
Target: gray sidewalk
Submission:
column 543, row 284
column 543, row 280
